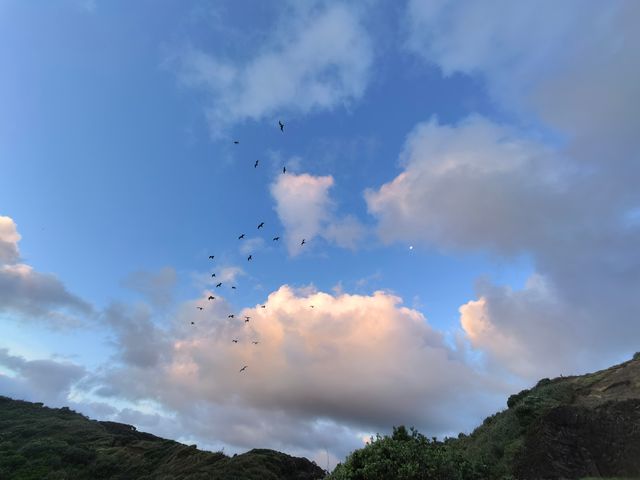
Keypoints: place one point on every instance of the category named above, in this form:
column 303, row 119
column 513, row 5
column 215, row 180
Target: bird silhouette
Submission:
column 199, row 308
column 219, row 285
column 244, row 368
column 276, row 238
column 249, row 257
column 193, row 323
column 211, row 297
column 213, row 274
column 255, row 165
column 241, row 237
column 303, row 242
column 236, row 142
column 211, row 256
column 233, row 287
column 255, row 343
column 263, row 306
column 246, row 319
column 261, row 225
column 281, row 126
column 230, row 315
column 284, row 169
column 234, row 341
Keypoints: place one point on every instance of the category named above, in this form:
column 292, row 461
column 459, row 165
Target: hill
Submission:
column 567, row 427
column 41, row 443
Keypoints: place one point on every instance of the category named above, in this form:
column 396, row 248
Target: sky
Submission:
column 464, row 175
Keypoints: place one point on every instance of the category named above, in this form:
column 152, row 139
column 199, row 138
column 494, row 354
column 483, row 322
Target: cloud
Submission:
column 557, row 188
column 156, row 287
column 31, row 294
column 38, row 380
column 317, row 59
column 9, row 238
column 319, row 378
column 306, row 210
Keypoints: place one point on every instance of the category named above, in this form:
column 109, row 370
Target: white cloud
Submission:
column 318, row 59
column 157, row 287
column 318, row 378
column 571, row 69
column 31, row 294
column 306, row 210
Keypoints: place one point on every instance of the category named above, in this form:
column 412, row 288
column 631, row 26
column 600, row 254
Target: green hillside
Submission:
column 40, row 443
column 568, row 427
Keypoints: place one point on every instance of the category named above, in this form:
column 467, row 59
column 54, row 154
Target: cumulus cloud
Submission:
column 352, row 364
column 31, row 294
column 319, row 58
column 482, row 186
column 38, row 380
column 306, row 210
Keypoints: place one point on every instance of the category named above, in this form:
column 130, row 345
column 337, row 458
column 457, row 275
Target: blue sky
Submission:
column 451, row 163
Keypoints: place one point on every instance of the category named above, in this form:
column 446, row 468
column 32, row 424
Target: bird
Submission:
column 255, row 165
column 230, row 315
column 284, row 169
column 303, row 242
column 246, row 319
column 233, row 287
column 219, row 285
column 249, row 257
column 236, row 142
column 312, row 306
column 211, row 257
column 255, row 343
column 213, row 274
column 193, row 323
column 244, row 368
column 199, row 308
column 241, row 237
column 211, row 297
column 261, row 225
column 263, row 306
column 234, row 341
column 276, row 239
column 281, row 126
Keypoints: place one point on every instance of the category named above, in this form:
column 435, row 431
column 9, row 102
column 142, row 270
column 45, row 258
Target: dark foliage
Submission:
column 40, row 443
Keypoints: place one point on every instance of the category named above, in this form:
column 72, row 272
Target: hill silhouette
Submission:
column 41, row 443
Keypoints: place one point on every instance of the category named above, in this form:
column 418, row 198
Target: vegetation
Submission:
column 40, row 443
column 563, row 427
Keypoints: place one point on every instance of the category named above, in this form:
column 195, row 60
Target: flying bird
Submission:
column 284, row 169
column 303, row 242
column 219, row 285
column 213, row 274
column 234, row 341
column 246, row 319
column 263, row 306
column 233, row 286
column 199, row 308
column 255, row 343
column 312, row 306
column 281, row 126
column 193, row 323
column 241, row 237
column 261, row 225
column 255, row 165
column 236, row 142
column 211, row 297
column 249, row 257
column 211, row 256
column 276, row 238
column 230, row 315
column 244, row 368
